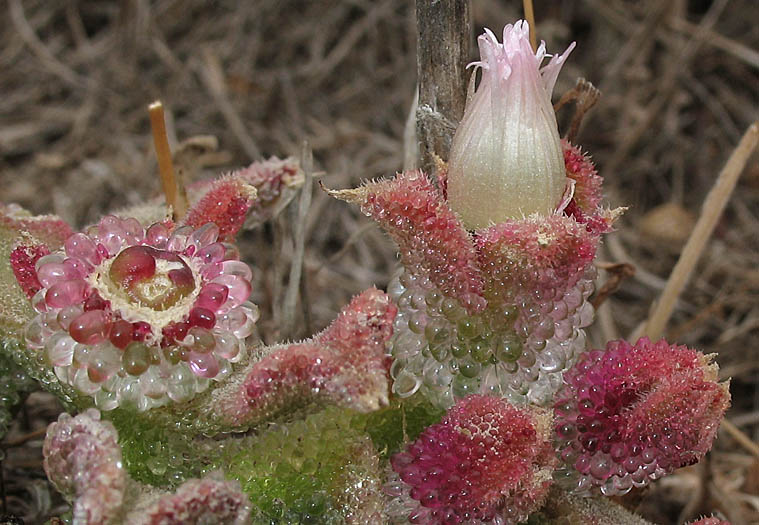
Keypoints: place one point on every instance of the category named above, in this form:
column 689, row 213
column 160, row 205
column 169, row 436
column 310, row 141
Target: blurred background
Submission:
column 679, row 83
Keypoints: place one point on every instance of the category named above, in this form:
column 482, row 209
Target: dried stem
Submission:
column 529, row 15
column 174, row 194
column 290, row 302
column 712, row 209
column 444, row 31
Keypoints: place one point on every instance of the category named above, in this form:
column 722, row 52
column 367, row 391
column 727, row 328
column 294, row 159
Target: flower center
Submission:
column 158, row 279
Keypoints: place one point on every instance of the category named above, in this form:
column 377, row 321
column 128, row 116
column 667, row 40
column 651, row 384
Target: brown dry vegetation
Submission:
column 679, row 81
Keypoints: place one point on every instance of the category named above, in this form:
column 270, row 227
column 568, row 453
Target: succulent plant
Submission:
column 465, row 395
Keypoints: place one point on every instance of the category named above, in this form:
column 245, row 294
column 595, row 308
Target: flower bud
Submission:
column 506, row 158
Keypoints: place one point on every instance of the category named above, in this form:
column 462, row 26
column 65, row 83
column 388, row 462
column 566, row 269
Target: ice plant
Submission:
column 633, row 413
column 498, row 311
column 506, row 159
column 141, row 315
column 466, row 391
column 485, row 462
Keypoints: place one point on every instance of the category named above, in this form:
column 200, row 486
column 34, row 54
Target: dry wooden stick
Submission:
column 529, row 15
column 289, row 317
column 443, row 33
column 174, row 195
column 711, row 211
column 739, row 436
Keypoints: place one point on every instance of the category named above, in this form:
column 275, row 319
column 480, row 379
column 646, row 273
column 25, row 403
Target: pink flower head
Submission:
column 506, row 158
column 631, row 414
column 142, row 316
column 486, row 460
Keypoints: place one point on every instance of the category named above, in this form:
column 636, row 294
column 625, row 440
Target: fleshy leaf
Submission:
column 277, row 181
column 18, row 226
column 207, row 500
column 538, row 254
column 48, row 229
column 562, row 508
column 631, row 414
column 432, row 241
column 486, row 460
column 22, row 260
column 344, row 365
column 82, row 458
column 320, row 469
column 225, row 202
column 709, row 521
column 586, row 200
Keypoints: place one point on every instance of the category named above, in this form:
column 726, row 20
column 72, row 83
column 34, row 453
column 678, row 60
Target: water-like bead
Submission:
column 212, row 296
column 227, row 345
column 60, row 349
column 417, row 323
column 205, row 235
column 459, row 350
column 90, row 327
column 463, row 386
column 202, row 317
column 238, row 268
column 213, row 253
column 451, row 309
column 202, row 341
column 82, row 247
column 178, row 239
column 151, row 384
column 135, row 359
column 52, row 273
column 157, row 235
column 66, row 293
column 38, row 301
column 479, row 349
column 508, row 348
column 47, row 259
column 203, row 365
column 211, row 271
column 121, row 333
column 439, row 351
column 436, row 331
column 239, row 289
column 470, row 369
column 34, row 334
column 103, row 366
column 406, row 384
column 468, row 328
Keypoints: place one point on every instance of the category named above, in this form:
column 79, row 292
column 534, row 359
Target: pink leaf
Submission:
column 430, row 236
column 344, row 365
column 82, row 458
column 630, row 414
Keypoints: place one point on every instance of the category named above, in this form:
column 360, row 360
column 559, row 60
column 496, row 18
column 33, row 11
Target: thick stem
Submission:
column 444, row 33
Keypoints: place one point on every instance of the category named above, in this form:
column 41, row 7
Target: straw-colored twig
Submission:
column 174, row 195
column 739, row 436
column 290, row 303
column 529, row 15
column 712, row 209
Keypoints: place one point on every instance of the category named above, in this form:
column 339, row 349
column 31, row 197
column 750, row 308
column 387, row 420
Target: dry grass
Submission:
column 679, row 82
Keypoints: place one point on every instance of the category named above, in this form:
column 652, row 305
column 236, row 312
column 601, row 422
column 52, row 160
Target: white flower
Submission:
column 506, row 159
